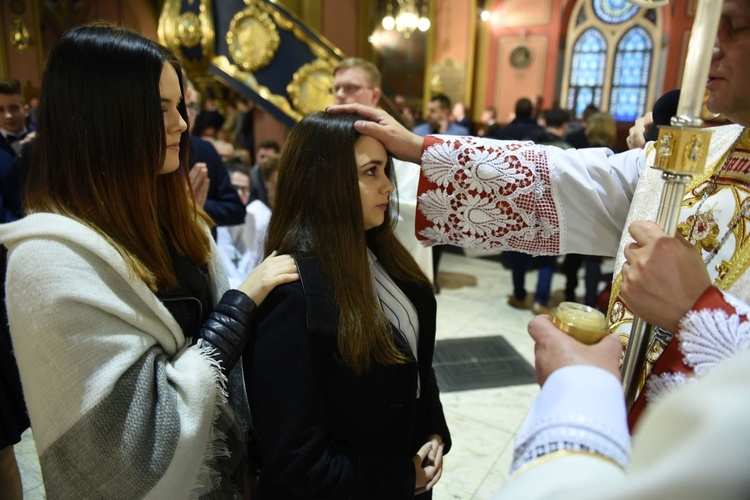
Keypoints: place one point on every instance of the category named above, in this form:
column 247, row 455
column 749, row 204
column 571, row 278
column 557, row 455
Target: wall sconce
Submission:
column 19, row 33
column 484, row 13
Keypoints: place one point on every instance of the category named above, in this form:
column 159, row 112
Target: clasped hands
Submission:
column 428, row 464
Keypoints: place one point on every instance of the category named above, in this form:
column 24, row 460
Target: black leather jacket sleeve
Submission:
column 228, row 327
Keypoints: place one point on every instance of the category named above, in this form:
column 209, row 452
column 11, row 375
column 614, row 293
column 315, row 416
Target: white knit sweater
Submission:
column 121, row 405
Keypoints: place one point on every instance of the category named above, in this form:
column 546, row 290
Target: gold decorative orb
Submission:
column 189, row 29
column 253, row 38
column 311, row 86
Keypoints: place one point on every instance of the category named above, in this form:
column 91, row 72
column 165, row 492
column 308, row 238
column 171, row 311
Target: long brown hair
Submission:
column 318, row 212
column 101, row 144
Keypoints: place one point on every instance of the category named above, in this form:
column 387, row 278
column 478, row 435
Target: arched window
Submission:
column 587, row 70
column 631, row 75
column 610, row 58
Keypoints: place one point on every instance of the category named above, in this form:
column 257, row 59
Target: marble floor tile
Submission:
column 501, row 408
column 476, row 447
column 28, row 464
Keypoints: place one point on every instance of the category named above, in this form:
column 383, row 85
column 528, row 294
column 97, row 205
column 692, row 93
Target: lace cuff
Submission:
column 579, row 409
column 709, row 335
column 715, row 329
column 487, row 194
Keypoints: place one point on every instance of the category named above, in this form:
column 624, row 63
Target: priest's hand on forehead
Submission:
column 399, row 141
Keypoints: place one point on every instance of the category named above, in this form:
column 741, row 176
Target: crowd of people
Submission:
column 181, row 323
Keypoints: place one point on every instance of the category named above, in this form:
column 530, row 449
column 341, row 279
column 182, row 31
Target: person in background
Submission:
column 407, row 115
column 13, row 129
column 555, row 123
column 600, row 131
column 208, row 175
column 524, row 126
column 439, row 119
column 460, row 115
column 576, row 134
column 241, row 246
column 266, row 149
column 126, row 335
column 490, row 127
column 13, row 417
column 554, row 126
column 342, row 392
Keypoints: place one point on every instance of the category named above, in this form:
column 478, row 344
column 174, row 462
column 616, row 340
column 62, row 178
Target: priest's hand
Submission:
column 662, row 277
column 399, row 141
column 554, row 349
column 637, row 133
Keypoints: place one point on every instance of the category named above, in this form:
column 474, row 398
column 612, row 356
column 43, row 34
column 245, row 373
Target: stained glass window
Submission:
column 631, row 74
column 587, row 70
column 614, row 11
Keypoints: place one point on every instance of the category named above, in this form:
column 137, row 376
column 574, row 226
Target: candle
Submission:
column 698, row 59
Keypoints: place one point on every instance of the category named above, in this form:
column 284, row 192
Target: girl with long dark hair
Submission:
column 343, row 396
column 125, row 333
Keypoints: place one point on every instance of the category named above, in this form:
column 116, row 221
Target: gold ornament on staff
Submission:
column 680, row 152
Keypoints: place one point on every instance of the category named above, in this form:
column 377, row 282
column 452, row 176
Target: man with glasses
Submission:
column 356, row 81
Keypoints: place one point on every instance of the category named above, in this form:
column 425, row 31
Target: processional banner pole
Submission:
column 681, row 151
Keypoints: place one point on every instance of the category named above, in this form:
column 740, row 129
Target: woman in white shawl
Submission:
column 125, row 333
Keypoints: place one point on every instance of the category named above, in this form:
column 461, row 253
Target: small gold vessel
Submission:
column 584, row 323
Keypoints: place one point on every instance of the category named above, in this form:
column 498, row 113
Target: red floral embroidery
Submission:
column 486, row 194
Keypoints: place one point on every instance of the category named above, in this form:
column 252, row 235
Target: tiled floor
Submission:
column 472, row 303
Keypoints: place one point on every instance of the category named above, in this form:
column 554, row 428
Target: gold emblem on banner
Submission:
column 189, row 29
column 311, row 87
column 252, row 38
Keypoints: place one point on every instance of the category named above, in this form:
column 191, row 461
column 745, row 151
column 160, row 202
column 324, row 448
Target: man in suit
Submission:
column 13, row 131
column 523, row 127
column 211, row 185
column 12, row 117
column 439, row 119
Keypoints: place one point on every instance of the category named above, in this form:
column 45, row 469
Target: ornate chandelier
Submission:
column 411, row 15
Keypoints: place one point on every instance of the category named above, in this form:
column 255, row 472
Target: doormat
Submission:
column 479, row 363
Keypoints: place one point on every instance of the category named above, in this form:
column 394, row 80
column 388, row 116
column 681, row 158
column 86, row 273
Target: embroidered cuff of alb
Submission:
column 580, row 408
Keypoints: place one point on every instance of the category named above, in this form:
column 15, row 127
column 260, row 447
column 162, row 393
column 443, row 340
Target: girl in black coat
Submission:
column 343, row 396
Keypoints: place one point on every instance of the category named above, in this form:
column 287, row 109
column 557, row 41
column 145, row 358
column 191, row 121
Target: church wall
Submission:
column 340, row 24
column 25, row 65
column 453, row 42
column 523, row 55
column 46, row 24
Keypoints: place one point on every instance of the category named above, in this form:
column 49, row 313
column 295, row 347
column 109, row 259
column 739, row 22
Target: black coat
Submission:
column 324, row 432
column 520, row 129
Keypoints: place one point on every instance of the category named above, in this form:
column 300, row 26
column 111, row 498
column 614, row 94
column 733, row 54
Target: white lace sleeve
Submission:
column 489, row 194
column 580, row 408
column 707, row 336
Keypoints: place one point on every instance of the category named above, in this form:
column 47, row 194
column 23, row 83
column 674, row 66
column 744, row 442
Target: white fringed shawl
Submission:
column 121, row 406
